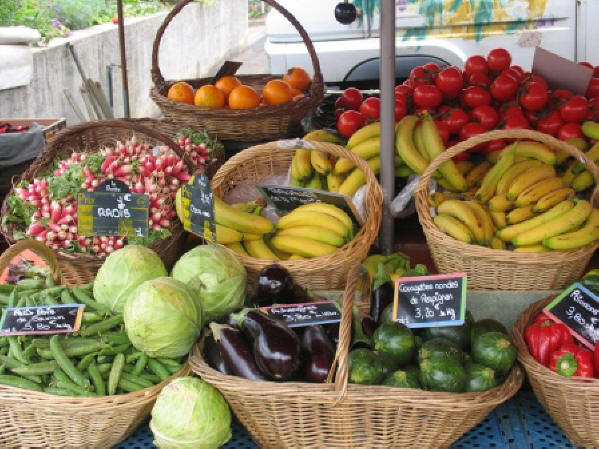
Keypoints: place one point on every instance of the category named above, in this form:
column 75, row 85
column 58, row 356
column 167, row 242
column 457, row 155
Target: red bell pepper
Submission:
column 572, row 360
column 544, row 337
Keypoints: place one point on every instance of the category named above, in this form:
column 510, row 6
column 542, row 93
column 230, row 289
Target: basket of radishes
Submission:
column 43, row 205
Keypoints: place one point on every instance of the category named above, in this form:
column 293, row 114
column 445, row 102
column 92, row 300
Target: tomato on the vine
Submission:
column 575, row 109
column 450, row 81
column 431, row 66
column 550, row 124
column 479, row 79
column 561, row 94
column 352, row 98
column 349, row 122
column 569, row 131
column 533, row 77
column 474, row 96
column 338, row 113
column 455, row 118
column 427, row 96
column 474, row 64
column 504, row 87
column 498, row 59
column 419, row 76
column 518, row 70
column 371, row 108
column 485, row 115
column 593, row 89
column 533, row 96
column 443, row 130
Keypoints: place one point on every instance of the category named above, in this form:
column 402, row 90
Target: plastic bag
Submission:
column 403, row 204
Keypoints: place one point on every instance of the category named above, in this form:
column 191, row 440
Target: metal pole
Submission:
column 387, row 86
column 123, row 57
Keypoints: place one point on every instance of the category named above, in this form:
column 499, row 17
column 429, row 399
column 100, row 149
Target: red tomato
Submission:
column 431, row 66
column 532, row 117
column 404, row 90
column 494, row 145
column 512, row 74
column 499, row 59
column 339, row 103
column 593, row 109
column 475, row 64
column 550, row 124
column 479, row 79
column 561, row 94
column 471, row 129
column 427, row 96
column 338, row 113
column 569, row 131
column 509, row 110
column 596, row 71
column 537, row 79
column 443, row 130
column 575, row 109
column 517, row 69
column 371, row 108
column 586, row 64
column 352, row 98
column 449, row 80
column 459, row 157
column 504, row 87
column 455, row 118
column 349, row 122
column 422, row 111
column 408, row 83
column 400, row 110
column 420, row 76
column 474, row 96
column 593, row 89
column 533, row 96
column 485, row 115
column 516, row 122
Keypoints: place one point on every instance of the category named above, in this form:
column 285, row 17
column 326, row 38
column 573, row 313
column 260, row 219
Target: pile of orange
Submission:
column 229, row 92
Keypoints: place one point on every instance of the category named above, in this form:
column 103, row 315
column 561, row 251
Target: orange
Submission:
column 182, row 92
column 297, row 78
column 209, row 96
column 277, row 92
column 294, row 92
column 227, row 83
column 243, row 97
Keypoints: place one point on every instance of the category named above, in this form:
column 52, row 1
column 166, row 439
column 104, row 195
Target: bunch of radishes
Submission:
column 198, row 145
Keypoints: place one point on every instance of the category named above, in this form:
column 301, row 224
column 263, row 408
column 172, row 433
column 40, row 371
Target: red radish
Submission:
column 35, row 228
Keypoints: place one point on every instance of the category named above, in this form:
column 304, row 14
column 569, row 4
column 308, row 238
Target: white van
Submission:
column 442, row 31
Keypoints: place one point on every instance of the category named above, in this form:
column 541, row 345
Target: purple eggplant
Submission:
column 332, row 330
column 274, row 285
column 235, row 352
column 214, row 356
column 319, row 353
column 381, row 298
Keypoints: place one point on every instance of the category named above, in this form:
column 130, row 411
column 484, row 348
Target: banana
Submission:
column 527, row 178
column 315, row 182
column 225, row 235
column 398, row 161
column 453, row 227
column 549, row 200
column 493, row 156
column 249, row 237
column 578, row 142
column 592, row 154
column 433, row 144
column 463, row 212
column 489, row 183
column 590, row 129
column 320, row 162
column 437, row 198
column 520, row 214
column 365, row 150
column 309, row 218
column 535, row 150
column 506, row 180
column 322, row 135
column 536, row 191
column 560, row 225
column 238, row 248
column 499, row 219
column 484, row 219
column 328, row 209
column 294, row 171
column 587, row 234
column 510, row 232
column 296, row 182
column 230, row 217
column 476, row 175
column 259, row 250
column 303, row 247
column 356, row 178
column 315, row 233
column 419, row 142
column 404, row 144
column 403, row 172
column 569, row 175
column 583, row 181
column 251, row 207
column 364, row 133
column 334, row 182
column 296, row 257
column 282, row 255
column 303, row 163
column 497, row 243
column 531, row 249
column 500, row 203
column 464, row 166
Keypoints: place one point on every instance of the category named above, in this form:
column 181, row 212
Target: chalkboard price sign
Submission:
column 578, row 308
column 306, row 314
column 198, row 208
column 430, row 301
column 55, row 319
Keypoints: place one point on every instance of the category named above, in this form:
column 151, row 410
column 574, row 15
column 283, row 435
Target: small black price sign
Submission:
column 578, row 308
column 306, row 314
column 112, row 210
column 198, row 208
column 286, row 198
column 430, row 301
column 55, row 319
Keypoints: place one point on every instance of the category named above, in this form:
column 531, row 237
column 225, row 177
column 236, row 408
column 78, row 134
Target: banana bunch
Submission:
column 311, row 168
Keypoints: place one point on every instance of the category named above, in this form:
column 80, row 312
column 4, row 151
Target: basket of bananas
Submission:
column 317, row 243
column 522, row 227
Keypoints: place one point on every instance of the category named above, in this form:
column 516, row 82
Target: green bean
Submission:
column 36, row 379
column 104, row 359
column 151, row 377
column 86, row 361
column 97, row 380
column 91, row 317
column 31, row 283
column 41, row 343
column 87, row 287
column 141, row 363
column 2, row 368
column 7, row 288
column 74, row 350
column 4, row 350
column 54, row 291
column 19, row 382
column 104, row 368
column 4, row 299
column 75, row 390
column 63, row 381
column 12, row 300
column 35, row 369
column 115, row 373
column 84, row 298
column 22, row 302
column 128, row 386
column 159, row 369
column 48, row 300
column 116, row 338
column 66, row 364
column 16, row 349
column 50, row 282
column 58, row 391
column 114, row 350
column 66, row 297
column 133, row 357
column 102, row 326
column 171, row 365
column 10, row 362
column 3, row 341
column 137, row 380
column 28, row 352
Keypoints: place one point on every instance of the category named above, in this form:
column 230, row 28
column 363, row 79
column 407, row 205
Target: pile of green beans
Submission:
column 97, row 360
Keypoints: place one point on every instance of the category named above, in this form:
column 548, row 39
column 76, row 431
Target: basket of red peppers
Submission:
column 563, row 373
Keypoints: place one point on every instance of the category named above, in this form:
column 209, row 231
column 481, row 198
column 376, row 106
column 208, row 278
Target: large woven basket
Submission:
column 255, row 164
column 573, row 402
column 250, row 125
column 337, row 415
column 502, row 269
column 31, row 419
column 81, row 268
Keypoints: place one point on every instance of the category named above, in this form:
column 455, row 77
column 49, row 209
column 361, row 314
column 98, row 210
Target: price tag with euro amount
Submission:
column 198, row 208
column 54, row 319
column 306, row 314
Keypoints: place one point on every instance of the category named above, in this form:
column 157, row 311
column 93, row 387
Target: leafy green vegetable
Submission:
column 151, row 238
column 21, row 211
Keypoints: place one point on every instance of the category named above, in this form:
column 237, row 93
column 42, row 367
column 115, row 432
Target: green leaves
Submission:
column 21, row 211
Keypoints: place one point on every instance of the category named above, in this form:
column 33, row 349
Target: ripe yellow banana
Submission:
column 464, row 167
column 499, row 219
column 293, row 182
column 320, row 162
column 560, row 225
column 294, row 171
column 322, row 135
column 587, row 234
column 437, row 198
column 315, row 182
column 328, row 209
column 592, row 154
column 453, row 227
column 419, row 142
column 506, row 180
column 225, row 235
column 484, row 219
column 230, row 217
column 296, row 257
column 248, row 236
column 528, row 178
column 535, row 150
column 259, row 249
column 536, row 191
column 500, row 203
column 520, row 214
column 569, row 174
column 366, row 150
column 463, row 212
column 404, row 144
column 238, row 248
column 531, row 249
column 316, row 233
column 303, row 247
column 334, row 182
column 494, row 156
column 309, row 218
column 489, row 183
column 497, row 243
column 510, row 232
column 583, row 181
column 546, row 202
column 282, row 255
column 303, row 163
column 356, row 178
column 364, row 133
column 590, row 129
column 476, row 175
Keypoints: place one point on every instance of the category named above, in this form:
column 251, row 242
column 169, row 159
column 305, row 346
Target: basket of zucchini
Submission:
column 90, row 388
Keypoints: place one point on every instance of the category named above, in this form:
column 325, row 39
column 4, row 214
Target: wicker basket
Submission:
column 80, row 268
column 502, row 269
column 254, row 164
column 250, row 125
column 573, row 402
column 338, row 415
column 32, row 419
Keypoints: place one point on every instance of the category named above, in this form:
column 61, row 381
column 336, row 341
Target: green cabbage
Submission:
column 163, row 318
column 190, row 414
column 123, row 271
column 216, row 275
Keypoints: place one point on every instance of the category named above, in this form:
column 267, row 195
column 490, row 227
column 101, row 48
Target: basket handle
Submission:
column 38, row 248
column 317, row 80
column 421, row 191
